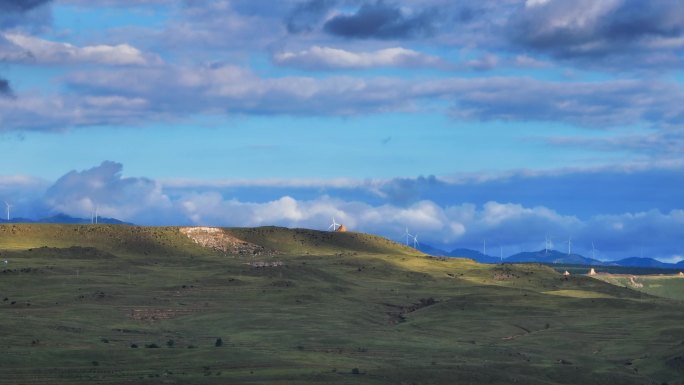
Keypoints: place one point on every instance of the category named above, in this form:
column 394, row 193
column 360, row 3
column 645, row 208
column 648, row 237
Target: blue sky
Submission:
column 464, row 121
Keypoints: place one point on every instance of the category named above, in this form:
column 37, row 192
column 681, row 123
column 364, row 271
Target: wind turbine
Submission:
column 8, row 210
column 593, row 251
column 407, row 235
column 569, row 245
column 484, row 247
column 546, row 243
column 415, row 242
column 501, row 253
column 334, row 225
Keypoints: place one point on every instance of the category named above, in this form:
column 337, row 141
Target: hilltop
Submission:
column 115, row 304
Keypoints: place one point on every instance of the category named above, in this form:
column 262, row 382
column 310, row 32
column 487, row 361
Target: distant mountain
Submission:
column 552, row 256
column 645, row 262
column 67, row 220
column 473, row 254
column 549, row 257
column 427, row 249
column 458, row 253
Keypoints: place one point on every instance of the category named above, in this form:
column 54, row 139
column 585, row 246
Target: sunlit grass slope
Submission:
column 667, row 286
column 137, row 305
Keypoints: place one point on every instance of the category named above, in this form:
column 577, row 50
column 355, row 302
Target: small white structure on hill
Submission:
column 567, row 273
column 592, row 271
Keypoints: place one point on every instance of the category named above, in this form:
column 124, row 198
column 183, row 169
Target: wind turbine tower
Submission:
column 546, row 243
column 9, row 206
column 484, row 247
column 334, row 225
column 569, row 246
column 407, row 235
column 415, row 241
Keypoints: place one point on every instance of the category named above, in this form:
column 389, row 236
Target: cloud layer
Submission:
column 448, row 223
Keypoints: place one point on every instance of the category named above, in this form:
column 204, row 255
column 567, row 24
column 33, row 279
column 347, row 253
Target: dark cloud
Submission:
column 306, row 15
column 382, row 21
column 24, row 13
column 5, row 89
column 586, row 29
column 21, row 5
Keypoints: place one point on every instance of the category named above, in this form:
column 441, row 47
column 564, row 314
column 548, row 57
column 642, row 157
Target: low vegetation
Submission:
column 337, row 308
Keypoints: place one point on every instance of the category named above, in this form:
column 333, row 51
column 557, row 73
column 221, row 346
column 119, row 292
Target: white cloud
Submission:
column 103, row 187
column 535, row 3
column 32, row 49
column 334, row 58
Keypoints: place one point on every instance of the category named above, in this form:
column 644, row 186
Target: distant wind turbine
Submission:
column 334, row 225
column 501, row 253
column 546, row 243
column 415, row 242
column 484, row 247
column 569, row 246
column 593, row 251
column 407, row 235
column 9, row 206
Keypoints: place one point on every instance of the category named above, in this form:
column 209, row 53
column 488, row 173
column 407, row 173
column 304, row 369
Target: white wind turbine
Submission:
column 94, row 215
column 9, row 206
column 415, row 241
column 593, row 251
column 334, row 225
column 546, row 243
column 407, row 235
column 569, row 246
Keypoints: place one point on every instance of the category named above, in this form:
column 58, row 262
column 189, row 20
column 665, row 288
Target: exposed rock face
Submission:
column 341, row 229
column 217, row 239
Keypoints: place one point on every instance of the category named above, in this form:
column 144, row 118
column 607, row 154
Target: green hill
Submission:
column 138, row 305
column 661, row 285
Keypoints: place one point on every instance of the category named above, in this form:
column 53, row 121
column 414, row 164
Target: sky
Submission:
column 506, row 121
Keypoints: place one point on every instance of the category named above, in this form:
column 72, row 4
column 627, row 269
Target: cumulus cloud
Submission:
column 381, row 21
column 323, row 58
column 103, row 187
column 35, row 50
column 599, row 30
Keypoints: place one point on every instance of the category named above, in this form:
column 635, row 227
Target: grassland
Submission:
column 661, row 285
column 133, row 305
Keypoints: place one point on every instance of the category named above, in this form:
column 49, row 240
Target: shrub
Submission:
column 355, row 371
column 170, row 343
column 219, row 342
column 152, row 346
column 134, row 346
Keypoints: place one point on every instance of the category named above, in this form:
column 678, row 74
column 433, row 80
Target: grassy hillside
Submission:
column 667, row 286
column 134, row 305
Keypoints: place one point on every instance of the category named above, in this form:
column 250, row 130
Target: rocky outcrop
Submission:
column 217, row 239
